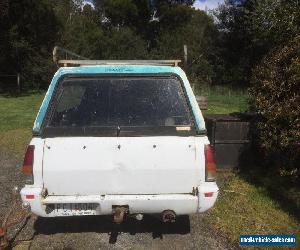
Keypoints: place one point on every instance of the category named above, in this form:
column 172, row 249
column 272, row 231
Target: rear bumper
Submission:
column 146, row 204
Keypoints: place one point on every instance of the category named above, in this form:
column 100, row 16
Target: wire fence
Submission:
column 224, row 90
column 10, row 83
column 223, row 99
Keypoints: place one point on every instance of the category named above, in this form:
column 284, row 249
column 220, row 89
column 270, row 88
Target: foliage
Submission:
column 199, row 34
column 221, row 50
column 276, row 96
column 256, row 45
column 29, row 30
column 114, row 29
column 250, row 29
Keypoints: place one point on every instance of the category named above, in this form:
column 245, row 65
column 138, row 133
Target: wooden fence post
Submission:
column 185, row 54
column 18, row 83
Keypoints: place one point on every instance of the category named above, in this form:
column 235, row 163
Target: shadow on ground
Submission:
column 104, row 224
column 285, row 190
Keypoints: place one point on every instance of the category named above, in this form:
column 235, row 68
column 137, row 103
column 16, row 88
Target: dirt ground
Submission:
column 189, row 232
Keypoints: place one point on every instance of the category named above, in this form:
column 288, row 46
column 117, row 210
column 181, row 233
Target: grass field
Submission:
column 219, row 104
column 223, row 99
column 19, row 112
column 245, row 208
column 17, row 115
column 242, row 207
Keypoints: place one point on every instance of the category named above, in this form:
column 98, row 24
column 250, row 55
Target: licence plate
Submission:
column 70, row 209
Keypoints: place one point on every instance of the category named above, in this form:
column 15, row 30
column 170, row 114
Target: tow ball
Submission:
column 12, row 217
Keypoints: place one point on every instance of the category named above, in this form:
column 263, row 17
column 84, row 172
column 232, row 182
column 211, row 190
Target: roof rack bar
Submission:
column 83, row 61
column 67, row 63
column 67, row 52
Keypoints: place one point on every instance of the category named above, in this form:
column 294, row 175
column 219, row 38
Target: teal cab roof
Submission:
column 120, row 69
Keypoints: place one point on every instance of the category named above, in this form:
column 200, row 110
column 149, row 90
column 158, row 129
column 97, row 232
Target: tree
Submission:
column 115, row 29
column 199, row 33
column 4, row 43
column 83, row 36
column 137, row 15
column 251, row 29
column 275, row 94
column 31, row 31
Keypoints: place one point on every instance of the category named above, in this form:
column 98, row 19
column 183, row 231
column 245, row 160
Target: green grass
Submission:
column 17, row 115
column 244, row 208
column 19, row 112
column 223, row 99
column 219, row 104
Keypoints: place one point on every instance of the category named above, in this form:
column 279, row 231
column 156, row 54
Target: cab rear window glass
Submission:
column 121, row 102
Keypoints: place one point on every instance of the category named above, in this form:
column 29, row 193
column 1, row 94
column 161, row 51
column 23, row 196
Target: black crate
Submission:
column 229, row 136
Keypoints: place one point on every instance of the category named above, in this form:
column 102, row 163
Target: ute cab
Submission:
column 122, row 139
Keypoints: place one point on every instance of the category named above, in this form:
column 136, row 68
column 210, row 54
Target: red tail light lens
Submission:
column 29, row 196
column 28, row 164
column 209, row 194
column 210, row 165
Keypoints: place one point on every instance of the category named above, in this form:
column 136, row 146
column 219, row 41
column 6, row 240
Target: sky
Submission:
column 88, row 2
column 210, row 4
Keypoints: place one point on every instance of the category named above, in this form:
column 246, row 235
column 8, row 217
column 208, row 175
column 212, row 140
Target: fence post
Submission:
column 185, row 54
column 18, row 83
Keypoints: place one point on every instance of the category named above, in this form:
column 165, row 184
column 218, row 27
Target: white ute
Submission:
column 120, row 138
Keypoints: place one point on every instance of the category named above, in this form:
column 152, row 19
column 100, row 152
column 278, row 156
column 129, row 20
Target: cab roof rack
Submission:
column 83, row 61
column 67, row 63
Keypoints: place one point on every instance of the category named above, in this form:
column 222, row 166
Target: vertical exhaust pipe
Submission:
column 168, row 216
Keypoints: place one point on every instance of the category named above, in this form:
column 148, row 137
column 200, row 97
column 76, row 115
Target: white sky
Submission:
column 210, row 4
column 88, row 2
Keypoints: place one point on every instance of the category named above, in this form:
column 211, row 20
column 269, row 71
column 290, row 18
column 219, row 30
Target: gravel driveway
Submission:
column 189, row 232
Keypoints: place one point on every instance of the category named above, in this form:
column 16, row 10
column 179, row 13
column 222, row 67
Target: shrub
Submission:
column 275, row 93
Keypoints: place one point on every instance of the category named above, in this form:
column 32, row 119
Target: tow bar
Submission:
column 12, row 217
column 119, row 213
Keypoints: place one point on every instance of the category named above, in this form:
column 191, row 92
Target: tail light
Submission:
column 210, row 165
column 28, row 165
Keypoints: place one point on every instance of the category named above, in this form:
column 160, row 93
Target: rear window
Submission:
column 121, row 106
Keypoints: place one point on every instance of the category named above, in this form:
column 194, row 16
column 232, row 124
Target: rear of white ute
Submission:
column 124, row 172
